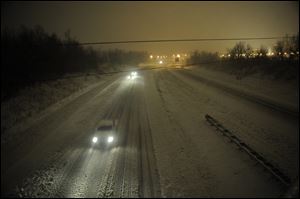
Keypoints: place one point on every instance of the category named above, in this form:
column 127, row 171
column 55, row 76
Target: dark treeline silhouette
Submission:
column 117, row 58
column 203, row 57
column 281, row 61
column 29, row 55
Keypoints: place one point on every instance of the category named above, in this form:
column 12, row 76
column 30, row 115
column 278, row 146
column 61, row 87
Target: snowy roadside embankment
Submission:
column 33, row 103
column 280, row 92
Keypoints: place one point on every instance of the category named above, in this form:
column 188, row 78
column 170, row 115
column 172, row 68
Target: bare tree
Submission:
column 287, row 44
column 279, row 47
column 249, row 50
column 238, row 50
column 263, row 51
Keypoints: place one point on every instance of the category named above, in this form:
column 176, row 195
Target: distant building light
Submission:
column 151, row 56
column 229, row 55
column 178, row 55
column 269, row 51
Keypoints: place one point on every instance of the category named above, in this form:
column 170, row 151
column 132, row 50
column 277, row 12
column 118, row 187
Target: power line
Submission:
column 175, row 40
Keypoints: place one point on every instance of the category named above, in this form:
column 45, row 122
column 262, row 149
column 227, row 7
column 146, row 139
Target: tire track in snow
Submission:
column 153, row 176
column 186, row 148
column 133, row 170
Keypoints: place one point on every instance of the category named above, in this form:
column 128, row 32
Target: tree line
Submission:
column 29, row 55
column 285, row 49
column 281, row 60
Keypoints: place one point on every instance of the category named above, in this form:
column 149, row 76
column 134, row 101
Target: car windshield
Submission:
column 104, row 127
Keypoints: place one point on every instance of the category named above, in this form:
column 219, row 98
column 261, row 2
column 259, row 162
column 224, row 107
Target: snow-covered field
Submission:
column 165, row 146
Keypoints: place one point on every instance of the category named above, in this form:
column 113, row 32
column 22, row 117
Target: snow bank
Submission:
column 31, row 102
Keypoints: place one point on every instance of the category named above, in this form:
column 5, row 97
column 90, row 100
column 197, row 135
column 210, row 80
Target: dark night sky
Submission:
column 113, row 21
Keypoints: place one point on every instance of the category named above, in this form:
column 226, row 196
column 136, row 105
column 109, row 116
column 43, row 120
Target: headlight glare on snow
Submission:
column 133, row 74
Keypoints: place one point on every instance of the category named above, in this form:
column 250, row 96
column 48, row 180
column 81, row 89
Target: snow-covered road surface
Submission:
column 163, row 148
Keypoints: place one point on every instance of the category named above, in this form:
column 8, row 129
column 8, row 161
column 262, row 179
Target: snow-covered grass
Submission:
column 286, row 70
column 32, row 100
column 266, row 87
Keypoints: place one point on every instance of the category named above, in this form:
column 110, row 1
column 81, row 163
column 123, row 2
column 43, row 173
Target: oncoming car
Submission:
column 132, row 75
column 105, row 133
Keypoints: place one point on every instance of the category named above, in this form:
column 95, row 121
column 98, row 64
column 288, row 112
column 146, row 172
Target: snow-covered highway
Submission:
column 163, row 145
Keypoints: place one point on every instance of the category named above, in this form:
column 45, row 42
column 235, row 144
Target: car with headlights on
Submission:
column 105, row 133
column 132, row 75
